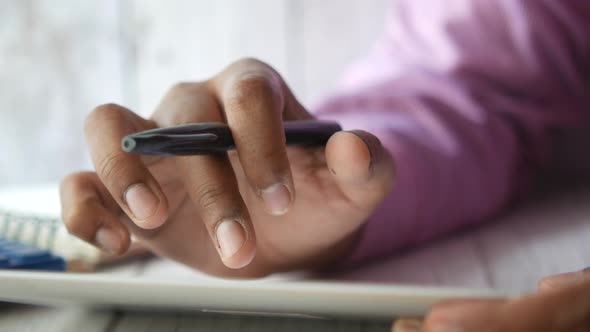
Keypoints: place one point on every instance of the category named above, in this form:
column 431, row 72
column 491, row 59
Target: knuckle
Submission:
column 74, row 221
column 107, row 107
column 112, row 167
column 249, row 62
column 70, row 181
column 100, row 112
column 103, row 113
column 209, row 194
column 76, row 180
column 253, row 83
column 182, row 88
column 251, row 88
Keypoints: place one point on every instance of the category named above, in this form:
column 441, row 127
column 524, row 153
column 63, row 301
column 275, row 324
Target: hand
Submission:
column 562, row 305
column 262, row 208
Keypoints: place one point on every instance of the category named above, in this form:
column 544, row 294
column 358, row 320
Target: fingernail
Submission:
column 230, row 237
column 373, row 145
column 141, row 201
column 277, row 199
column 108, row 240
column 407, row 325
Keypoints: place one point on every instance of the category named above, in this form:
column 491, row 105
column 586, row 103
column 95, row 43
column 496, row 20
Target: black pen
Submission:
column 215, row 137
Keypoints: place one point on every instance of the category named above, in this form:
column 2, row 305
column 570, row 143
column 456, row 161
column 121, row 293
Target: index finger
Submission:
column 125, row 176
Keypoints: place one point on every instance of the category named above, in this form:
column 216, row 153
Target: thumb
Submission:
column 361, row 167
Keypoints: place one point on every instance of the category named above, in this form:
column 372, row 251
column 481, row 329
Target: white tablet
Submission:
column 166, row 285
column 307, row 298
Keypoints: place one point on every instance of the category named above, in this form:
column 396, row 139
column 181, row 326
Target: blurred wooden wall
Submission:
column 59, row 59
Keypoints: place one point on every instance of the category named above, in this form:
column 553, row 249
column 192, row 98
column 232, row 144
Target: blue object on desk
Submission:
column 15, row 255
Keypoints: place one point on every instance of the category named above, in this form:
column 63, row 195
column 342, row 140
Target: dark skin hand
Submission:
column 266, row 208
column 259, row 209
column 561, row 305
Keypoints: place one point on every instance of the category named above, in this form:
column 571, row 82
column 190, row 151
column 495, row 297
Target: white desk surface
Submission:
column 544, row 237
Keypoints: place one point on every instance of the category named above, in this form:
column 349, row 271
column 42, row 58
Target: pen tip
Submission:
column 128, row 144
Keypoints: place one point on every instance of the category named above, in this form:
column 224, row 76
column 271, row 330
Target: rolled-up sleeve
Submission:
column 465, row 95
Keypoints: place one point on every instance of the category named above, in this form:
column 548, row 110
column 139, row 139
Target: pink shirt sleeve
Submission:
column 466, row 96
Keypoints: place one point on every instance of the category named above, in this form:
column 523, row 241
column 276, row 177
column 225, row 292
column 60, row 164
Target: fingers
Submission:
column 89, row 213
column 253, row 101
column 212, row 186
column 125, row 176
column 468, row 316
column 563, row 306
column 556, row 311
column 563, row 280
column 209, row 179
column 361, row 166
